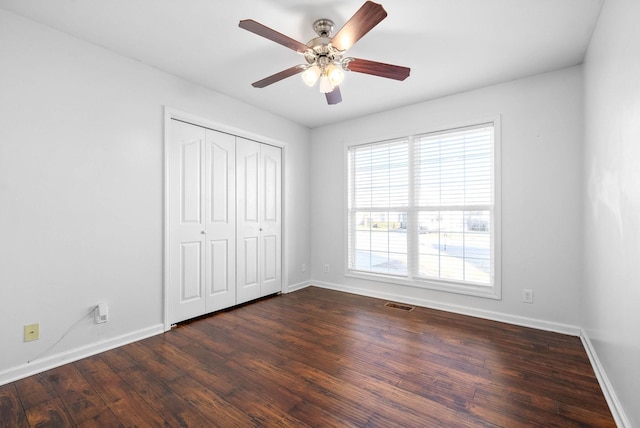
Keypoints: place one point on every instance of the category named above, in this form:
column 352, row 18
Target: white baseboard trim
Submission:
column 568, row 329
column 298, row 286
column 19, row 372
column 607, row 389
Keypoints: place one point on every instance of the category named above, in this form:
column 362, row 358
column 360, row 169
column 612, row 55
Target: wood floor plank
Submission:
column 155, row 363
column 221, row 413
column 50, row 413
column 34, row 390
column 262, row 387
column 11, row 411
column 212, row 372
column 307, row 411
column 80, row 399
column 173, row 408
column 446, row 391
column 84, row 405
column 128, row 407
column 506, row 410
column 585, row 416
column 118, row 359
column 345, row 402
column 106, row 419
column 322, row 358
column 261, row 413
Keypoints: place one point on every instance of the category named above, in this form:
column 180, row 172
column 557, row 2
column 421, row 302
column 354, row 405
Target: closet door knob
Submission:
column 204, row 232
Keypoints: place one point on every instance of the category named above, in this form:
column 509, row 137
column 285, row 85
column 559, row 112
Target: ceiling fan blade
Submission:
column 273, row 35
column 278, row 76
column 334, row 97
column 378, row 69
column 367, row 17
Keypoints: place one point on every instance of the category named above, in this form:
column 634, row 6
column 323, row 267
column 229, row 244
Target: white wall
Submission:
column 81, row 189
column 541, row 196
column 611, row 292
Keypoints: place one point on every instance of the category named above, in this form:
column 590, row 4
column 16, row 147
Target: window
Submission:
column 422, row 210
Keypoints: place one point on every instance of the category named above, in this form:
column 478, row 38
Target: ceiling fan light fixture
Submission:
column 310, row 75
column 325, row 84
column 335, row 74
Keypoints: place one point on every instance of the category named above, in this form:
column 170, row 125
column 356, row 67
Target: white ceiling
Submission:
column 450, row 45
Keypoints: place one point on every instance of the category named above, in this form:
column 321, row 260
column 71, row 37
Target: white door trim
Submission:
column 172, row 113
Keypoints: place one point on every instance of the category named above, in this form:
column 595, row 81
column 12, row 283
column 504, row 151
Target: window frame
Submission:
column 493, row 291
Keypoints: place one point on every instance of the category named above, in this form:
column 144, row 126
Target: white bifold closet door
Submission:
column 259, row 222
column 202, row 221
column 224, row 220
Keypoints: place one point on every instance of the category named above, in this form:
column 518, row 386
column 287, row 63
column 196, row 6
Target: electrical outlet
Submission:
column 101, row 313
column 304, row 267
column 527, row 296
column 326, row 268
column 31, row 332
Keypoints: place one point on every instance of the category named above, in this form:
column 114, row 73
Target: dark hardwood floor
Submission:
column 324, row 359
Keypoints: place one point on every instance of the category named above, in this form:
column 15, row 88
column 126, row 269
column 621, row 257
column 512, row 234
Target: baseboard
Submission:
column 568, row 329
column 298, row 286
column 19, row 372
column 607, row 389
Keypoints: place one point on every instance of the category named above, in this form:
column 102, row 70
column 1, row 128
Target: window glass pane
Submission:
column 379, row 243
column 455, row 245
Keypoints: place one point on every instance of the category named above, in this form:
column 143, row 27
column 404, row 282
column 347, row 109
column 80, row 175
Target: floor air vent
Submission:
column 399, row 306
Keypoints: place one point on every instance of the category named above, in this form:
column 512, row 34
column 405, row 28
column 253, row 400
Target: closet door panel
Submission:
column 190, row 188
column 269, row 244
column 218, row 263
column 190, row 271
column 250, row 271
column 220, row 167
column 186, row 222
column 251, row 163
column 270, row 219
column 271, row 193
column 220, row 189
column 248, row 227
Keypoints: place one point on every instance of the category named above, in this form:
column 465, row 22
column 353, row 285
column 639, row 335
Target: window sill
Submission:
column 488, row 292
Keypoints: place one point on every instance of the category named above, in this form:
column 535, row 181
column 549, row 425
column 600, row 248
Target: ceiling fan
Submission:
column 325, row 54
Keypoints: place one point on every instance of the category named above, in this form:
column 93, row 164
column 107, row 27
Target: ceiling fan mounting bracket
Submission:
column 323, row 27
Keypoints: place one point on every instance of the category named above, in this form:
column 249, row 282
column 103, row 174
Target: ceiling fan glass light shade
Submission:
column 325, row 84
column 310, row 75
column 335, row 74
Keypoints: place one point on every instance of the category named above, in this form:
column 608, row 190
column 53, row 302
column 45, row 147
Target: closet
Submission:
column 223, row 220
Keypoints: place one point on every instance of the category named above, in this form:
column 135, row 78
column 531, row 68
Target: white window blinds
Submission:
column 453, row 200
column 454, row 169
column 379, row 200
column 423, row 207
